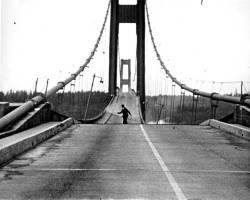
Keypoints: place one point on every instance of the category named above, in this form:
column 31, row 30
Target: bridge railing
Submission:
column 242, row 115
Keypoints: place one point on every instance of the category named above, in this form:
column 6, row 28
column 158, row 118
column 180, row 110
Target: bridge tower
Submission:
column 125, row 80
column 128, row 14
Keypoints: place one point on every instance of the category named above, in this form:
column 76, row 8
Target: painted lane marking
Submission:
column 179, row 194
column 212, row 171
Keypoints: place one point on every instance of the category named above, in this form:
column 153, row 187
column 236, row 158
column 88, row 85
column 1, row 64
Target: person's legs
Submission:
column 125, row 120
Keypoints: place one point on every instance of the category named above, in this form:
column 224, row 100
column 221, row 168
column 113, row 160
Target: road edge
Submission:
column 26, row 142
column 233, row 129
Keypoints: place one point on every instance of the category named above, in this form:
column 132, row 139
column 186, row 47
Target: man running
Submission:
column 125, row 112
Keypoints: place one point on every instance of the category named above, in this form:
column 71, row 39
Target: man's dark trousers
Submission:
column 125, row 120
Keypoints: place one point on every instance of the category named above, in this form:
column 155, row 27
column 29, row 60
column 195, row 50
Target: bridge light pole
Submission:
column 92, row 84
column 36, row 86
column 159, row 113
column 47, row 84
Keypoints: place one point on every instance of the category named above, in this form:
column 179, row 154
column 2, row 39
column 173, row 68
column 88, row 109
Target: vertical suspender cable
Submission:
column 194, row 108
column 225, row 98
column 182, row 107
column 195, row 112
column 171, row 102
column 192, row 117
column 173, row 109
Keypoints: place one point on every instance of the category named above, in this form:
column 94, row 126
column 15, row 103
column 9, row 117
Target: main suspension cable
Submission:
column 216, row 96
column 34, row 102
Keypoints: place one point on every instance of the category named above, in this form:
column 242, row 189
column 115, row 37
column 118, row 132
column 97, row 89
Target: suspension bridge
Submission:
column 45, row 154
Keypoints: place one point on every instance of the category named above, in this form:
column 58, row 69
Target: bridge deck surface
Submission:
column 125, row 162
column 131, row 101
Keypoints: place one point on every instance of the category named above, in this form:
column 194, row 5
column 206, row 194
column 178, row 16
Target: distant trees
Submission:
column 183, row 114
column 67, row 103
column 157, row 107
column 15, row 96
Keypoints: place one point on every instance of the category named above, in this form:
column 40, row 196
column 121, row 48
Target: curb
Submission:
column 13, row 146
column 230, row 128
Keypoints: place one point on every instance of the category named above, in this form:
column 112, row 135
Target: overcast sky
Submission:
column 52, row 38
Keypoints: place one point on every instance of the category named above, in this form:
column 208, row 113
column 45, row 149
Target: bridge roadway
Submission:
column 132, row 162
column 131, row 101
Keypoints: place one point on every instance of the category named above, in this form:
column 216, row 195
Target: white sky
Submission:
column 52, row 38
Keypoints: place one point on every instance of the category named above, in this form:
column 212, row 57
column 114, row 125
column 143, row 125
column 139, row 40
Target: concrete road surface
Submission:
column 132, row 162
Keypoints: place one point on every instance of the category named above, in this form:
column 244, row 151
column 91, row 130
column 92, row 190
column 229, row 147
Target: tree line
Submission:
column 162, row 107
column 68, row 103
column 172, row 109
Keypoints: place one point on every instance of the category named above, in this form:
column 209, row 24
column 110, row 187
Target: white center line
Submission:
column 180, row 195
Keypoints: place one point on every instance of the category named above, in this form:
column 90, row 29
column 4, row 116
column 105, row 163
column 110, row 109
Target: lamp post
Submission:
column 35, row 92
column 93, row 80
column 47, row 84
column 159, row 112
